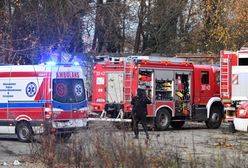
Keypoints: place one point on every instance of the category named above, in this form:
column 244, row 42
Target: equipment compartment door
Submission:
column 182, row 94
column 114, row 87
column 164, row 85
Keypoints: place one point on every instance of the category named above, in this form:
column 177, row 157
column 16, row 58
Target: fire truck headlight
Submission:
column 100, row 100
column 51, row 63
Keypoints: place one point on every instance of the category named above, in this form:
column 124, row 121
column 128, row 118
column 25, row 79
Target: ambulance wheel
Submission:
column 163, row 119
column 215, row 118
column 63, row 137
column 177, row 124
column 24, row 131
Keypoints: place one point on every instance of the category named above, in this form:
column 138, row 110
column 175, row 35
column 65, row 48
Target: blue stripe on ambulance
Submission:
column 22, row 105
column 70, row 106
column 63, row 106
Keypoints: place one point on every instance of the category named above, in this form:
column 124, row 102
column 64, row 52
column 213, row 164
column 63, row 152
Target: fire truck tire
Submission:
column 63, row 137
column 24, row 131
column 215, row 118
column 163, row 120
column 177, row 124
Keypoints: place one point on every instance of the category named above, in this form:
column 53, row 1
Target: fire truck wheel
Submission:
column 24, row 132
column 63, row 137
column 177, row 124
column 163, row 119
column 215, row 118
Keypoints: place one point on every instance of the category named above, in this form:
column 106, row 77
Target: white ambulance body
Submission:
column 35, row 98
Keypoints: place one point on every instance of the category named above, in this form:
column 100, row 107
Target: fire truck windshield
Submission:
column 68, row 90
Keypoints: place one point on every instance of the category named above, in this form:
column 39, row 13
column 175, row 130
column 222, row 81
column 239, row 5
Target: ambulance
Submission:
column 42, row 98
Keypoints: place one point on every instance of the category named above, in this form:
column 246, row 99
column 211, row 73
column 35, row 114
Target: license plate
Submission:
column 70, row 124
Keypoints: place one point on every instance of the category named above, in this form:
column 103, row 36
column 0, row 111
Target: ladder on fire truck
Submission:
column 128, row 75
column 225, row 77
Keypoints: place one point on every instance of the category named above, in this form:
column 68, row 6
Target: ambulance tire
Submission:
column 24, row 131
column 177, row 124
column 215, row 118
column 163, row 120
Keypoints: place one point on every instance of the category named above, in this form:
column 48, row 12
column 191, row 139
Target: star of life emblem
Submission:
column 31, row 89
column 78, row 90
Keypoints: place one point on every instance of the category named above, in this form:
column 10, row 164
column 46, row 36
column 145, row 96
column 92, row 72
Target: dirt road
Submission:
column 206, row 146
column 11, row 149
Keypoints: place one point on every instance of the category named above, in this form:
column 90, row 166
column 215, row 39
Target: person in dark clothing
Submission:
column 139, row 111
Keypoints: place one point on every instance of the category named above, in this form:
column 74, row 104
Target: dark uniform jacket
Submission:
column 139, row 105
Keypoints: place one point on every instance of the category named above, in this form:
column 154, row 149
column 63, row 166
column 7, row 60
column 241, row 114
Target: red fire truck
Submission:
column 179, row 90
column 234, row 92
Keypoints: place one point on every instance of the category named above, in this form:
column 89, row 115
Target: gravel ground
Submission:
column 12, row 150
column 193, row 141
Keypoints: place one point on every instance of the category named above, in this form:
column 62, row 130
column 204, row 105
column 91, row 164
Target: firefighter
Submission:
column 139, row 112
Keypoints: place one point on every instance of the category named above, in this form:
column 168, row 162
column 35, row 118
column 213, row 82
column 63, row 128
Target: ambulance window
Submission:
column 68, row 90
column 205, row 77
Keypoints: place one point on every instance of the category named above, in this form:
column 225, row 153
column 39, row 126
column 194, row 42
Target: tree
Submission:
column 38, row 28
column 225, row 24
column 215, row 32
column 165, row 15
column 189, row 28
column 237, row 13
column 141, row 18
column 109, row 26
column 3, row 29
column 34, row 30
column 157, row 23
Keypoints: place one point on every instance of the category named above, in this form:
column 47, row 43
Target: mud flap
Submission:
column 199, row 113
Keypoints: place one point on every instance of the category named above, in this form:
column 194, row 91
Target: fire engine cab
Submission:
column 179, row 90
column 38, row 98
column 234, row 92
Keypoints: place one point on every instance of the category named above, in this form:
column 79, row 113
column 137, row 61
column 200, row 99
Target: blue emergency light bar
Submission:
column 76, row 63
column 52, row 63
